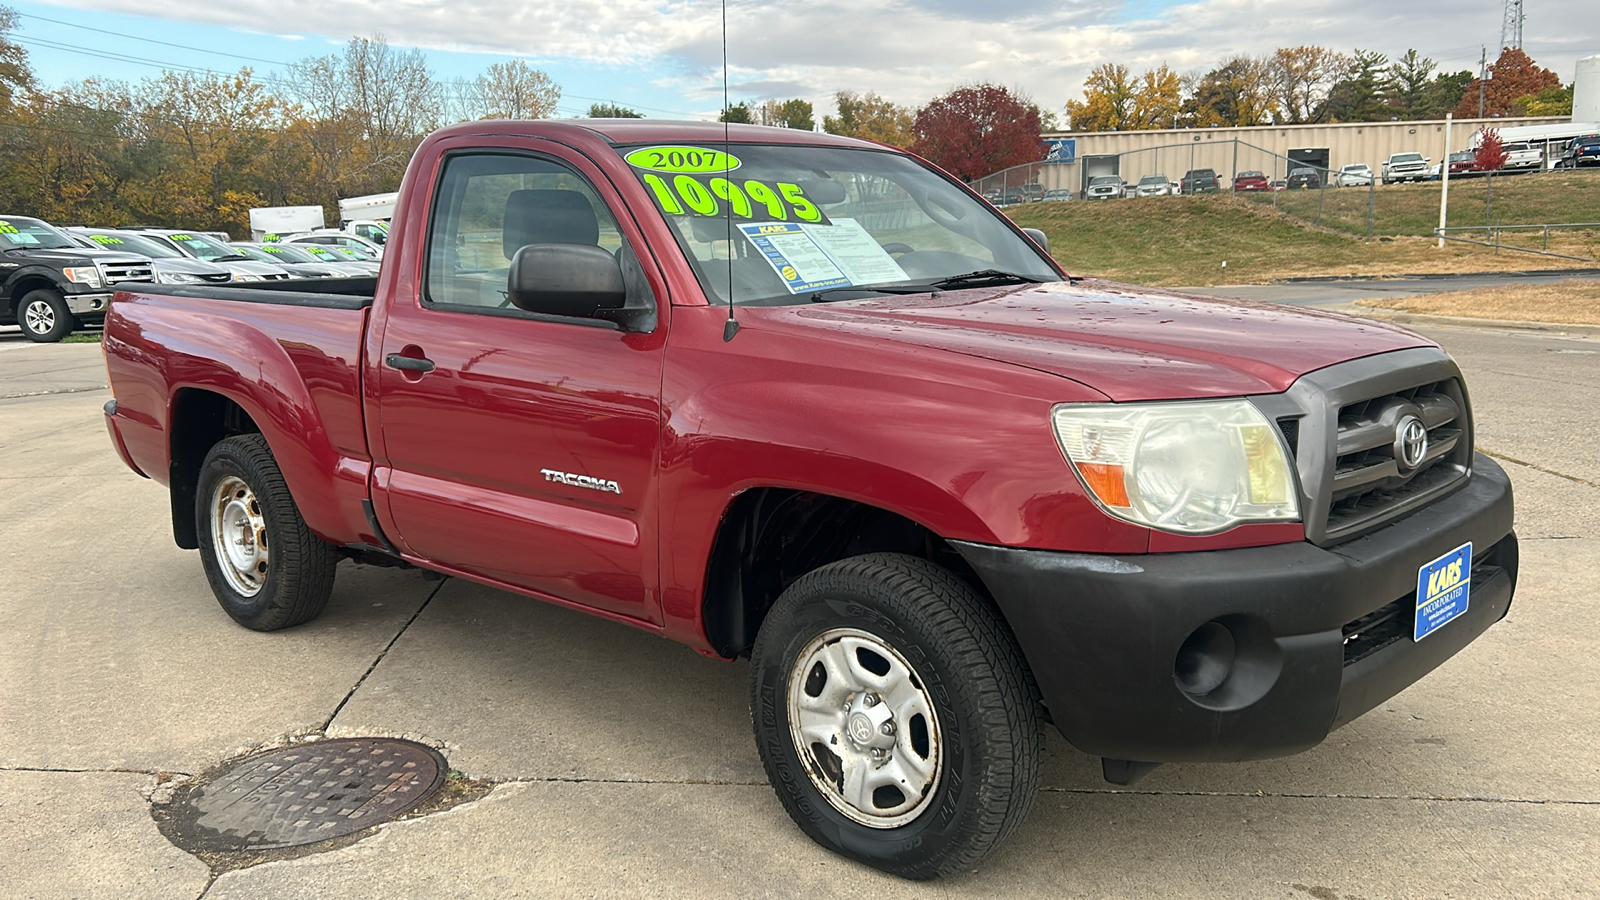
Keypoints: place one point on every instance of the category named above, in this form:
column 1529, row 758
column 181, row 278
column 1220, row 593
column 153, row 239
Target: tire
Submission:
column 958, row 722
column 275, row 573
column 44, row 316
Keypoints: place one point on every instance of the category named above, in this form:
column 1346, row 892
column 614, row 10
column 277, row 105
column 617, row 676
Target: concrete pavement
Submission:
column 625, row 763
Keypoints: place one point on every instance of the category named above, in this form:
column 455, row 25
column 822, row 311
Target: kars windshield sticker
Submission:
column 682, row 159
column 813, row 257
column 105, row 239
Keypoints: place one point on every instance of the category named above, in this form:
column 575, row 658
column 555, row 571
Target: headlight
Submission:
column 245, row 276
column 1195, row 467
column 88, row 275
column 178, row 278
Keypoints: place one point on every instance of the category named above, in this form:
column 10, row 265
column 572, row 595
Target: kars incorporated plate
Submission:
column 1443, row 587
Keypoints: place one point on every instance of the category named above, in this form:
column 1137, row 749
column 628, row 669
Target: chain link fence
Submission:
column 1551, row 212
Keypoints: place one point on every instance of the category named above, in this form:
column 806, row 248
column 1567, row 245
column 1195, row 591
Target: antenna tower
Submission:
column 1511, row 25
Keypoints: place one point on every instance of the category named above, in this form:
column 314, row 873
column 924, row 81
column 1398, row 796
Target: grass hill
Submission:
column 1186, row 240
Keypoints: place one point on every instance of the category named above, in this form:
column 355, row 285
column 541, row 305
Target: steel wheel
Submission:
column 239, row 536
column 864, row 727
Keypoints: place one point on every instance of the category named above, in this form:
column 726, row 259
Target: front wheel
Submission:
column 895, row 716
column 44, row 317
column 266, row 568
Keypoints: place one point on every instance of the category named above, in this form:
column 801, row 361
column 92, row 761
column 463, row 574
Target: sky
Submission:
column 664, row 57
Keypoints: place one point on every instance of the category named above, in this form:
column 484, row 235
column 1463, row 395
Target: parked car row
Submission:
column 56, row 280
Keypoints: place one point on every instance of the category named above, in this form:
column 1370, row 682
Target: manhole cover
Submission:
column 308, row 793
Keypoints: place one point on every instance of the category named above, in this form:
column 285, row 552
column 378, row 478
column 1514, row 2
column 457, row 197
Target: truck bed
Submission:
column 282, row 357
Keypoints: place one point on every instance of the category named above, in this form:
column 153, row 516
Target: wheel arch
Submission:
column 770, row 536
column 199, row 419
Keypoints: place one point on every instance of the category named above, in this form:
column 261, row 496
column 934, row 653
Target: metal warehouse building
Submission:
column 1270, row 149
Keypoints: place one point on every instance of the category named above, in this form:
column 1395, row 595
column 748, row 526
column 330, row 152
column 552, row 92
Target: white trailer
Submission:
column 379, row 207
column 276, row 220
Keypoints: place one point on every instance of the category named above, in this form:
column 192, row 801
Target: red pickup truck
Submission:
column 808, row 400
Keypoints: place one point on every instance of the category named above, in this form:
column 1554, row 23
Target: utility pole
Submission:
column 1483, row 75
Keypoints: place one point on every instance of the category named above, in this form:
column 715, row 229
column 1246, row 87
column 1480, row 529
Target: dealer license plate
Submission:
column 1443, row 587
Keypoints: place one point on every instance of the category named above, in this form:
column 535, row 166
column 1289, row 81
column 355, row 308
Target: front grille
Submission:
column 283, row 277
column 217, row 277
column 1370, row 481
column 1341, row 425
column 126, row 270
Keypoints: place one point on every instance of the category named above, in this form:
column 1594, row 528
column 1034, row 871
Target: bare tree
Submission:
column 510, row 90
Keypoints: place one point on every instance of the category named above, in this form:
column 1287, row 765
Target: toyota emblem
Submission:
column 1410, row 443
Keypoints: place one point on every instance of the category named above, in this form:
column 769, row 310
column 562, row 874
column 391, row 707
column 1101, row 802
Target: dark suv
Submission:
column 1200, row 181
column 49, row 285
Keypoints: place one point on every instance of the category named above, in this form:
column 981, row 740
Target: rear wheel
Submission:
column 44, row 316
column 895, row 716
column 266, row 568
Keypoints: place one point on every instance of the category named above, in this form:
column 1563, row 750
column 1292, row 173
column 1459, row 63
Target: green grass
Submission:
column 1186, row 240
column 1413, row 209
column 82, row 337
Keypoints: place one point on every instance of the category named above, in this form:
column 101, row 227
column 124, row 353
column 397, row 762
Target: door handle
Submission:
column 408, row 363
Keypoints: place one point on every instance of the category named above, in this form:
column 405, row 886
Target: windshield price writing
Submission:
column 688, row 195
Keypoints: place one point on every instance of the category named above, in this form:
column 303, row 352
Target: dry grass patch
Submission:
column 1573, row 302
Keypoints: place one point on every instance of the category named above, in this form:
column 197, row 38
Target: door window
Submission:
column 491, row 205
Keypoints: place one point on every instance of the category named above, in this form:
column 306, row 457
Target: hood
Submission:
column 251, row 267
column 187, row 266
column 1127, row 342
column 76, row 254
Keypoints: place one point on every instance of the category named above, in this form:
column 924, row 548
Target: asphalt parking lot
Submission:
column 624, row 764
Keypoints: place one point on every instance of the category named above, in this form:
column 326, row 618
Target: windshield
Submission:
column 810, row 219
column 1406, row 157
column 205, row 248
column 1153, row 179
column 1251, row 175
column 1105, row 179
column 17, row 232
column 277, row 252
column 134, row 243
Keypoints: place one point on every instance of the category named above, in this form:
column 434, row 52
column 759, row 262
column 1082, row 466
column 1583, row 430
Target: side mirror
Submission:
column 1038, row 238
column 565, row 280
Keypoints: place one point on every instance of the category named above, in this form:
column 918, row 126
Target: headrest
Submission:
column 548, row 217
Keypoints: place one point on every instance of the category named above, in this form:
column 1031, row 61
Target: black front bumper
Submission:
column 1103, row 633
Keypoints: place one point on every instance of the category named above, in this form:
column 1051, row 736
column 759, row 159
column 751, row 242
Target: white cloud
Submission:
column 909, row 50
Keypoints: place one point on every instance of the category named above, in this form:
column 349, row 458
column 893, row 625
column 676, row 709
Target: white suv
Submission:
column 1353, row 175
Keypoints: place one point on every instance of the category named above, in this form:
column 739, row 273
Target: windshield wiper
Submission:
column 229, row 257
column 985, row 277
column 818, row 296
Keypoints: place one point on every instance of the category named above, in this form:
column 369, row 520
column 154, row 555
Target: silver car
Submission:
column 1153, row 186
column 199, row 246
column 1353, row 175
column 169, row 265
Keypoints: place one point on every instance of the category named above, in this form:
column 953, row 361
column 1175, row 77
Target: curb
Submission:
column 1510, row 325
column 1439, row 276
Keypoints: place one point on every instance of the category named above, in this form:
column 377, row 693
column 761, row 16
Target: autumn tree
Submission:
column 15, row 76
column 1491, row 152
column 1109, row 96
column 1513, row 75
column 1300, row 79
column 975, row 130
column 786, row 114
column 869, row 117
column 1237, row 92
column 1552, row 101
column 611, row 111
column 510, row 90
